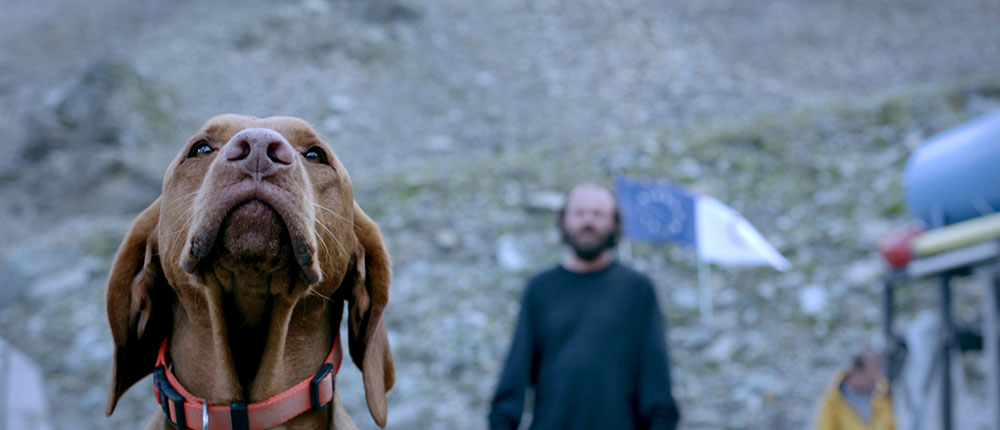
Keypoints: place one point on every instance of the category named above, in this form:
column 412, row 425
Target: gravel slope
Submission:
column 459, row 121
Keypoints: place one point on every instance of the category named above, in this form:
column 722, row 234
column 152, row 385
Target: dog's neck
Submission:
column 230, row 346
column 248, row 319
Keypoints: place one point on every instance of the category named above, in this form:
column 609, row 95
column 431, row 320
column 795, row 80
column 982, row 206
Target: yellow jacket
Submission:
column 836, row 414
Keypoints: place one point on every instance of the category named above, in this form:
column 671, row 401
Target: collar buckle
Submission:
column 204, row 415
column 314, row 386
column 169, row 397
column 238, row 416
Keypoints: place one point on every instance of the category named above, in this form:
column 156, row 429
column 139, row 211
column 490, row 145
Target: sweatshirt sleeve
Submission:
column 655, row 396
column 508, row 401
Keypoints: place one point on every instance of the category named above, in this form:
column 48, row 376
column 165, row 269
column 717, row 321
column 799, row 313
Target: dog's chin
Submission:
column 253, row 236
column 254, row 233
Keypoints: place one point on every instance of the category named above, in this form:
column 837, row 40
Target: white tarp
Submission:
column 22, row 397
column 917, row 392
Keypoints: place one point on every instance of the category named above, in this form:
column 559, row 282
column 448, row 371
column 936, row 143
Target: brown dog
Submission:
column 241, row 268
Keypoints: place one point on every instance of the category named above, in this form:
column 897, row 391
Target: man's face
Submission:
column 873, row 371
column 869, row 374
column 588, row 225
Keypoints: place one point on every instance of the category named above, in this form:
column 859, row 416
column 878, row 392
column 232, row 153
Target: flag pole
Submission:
column 625, row 250
column 705, row 290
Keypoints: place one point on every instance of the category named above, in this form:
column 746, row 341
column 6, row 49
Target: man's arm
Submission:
column 656, row 399
column 508, row 401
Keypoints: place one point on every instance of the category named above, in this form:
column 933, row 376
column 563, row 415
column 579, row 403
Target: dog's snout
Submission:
column 260, row 152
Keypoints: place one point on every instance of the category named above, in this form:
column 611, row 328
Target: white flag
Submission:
column 725, row 237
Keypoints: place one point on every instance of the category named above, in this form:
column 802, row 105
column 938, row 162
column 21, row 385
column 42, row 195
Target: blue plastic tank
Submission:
column 955, row 175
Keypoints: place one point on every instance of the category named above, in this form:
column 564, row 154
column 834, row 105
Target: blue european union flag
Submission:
column 656, row 212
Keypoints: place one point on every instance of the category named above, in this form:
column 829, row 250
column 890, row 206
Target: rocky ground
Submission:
column 462, row 123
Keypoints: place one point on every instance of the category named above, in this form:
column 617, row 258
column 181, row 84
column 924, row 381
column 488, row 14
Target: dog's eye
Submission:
column 315, row 155
column 201, row 149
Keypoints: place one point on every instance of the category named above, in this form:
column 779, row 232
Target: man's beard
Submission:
column 588, row 252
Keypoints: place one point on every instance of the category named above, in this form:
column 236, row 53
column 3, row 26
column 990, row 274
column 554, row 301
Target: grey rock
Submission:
column 548, row 201
column 24, row 266
column 447, row 239
column 89, row 110
column 864, row 273
column 333, row 125
column 812, row 299
column 389, row 11
column 440, row 143
column 684, row 298
column 695, row 336
column 509, row 255
column 64, row 279
column 341, row 103
column 722, row 349
column 978, row 104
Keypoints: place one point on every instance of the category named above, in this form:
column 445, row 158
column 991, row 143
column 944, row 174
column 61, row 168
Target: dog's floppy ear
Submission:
column 138, row 311
column 368, row 293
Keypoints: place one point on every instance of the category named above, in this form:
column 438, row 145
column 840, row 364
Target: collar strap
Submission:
column 188, row 412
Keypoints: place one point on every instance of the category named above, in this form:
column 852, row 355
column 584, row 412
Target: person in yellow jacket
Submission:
column 858, row 398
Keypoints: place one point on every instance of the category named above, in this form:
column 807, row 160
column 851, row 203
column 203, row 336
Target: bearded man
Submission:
column 590, row 337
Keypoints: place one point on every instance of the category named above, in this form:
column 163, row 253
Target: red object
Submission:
column 897, row 247
column 186, row 411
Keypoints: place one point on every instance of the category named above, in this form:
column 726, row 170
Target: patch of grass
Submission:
column 896, row 208
column 893, row 113
column 102, row 245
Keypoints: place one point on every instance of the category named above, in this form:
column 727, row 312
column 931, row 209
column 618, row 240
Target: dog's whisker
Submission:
column 328, row 231
column 335, row 240
column 333, row 236
column 187, row 215
column 320, row 184
column 312, row 291
column 325, row 248
column 188, row 218
column 331, row 211
column 185, row 200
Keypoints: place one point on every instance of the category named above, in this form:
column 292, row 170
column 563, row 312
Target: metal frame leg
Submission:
column 947, row 334
column 991, row 341
column 887, row 331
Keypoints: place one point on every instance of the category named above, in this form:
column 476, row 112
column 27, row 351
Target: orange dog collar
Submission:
column 180, row 406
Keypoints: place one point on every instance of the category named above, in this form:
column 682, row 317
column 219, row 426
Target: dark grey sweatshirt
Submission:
column 593, row 347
